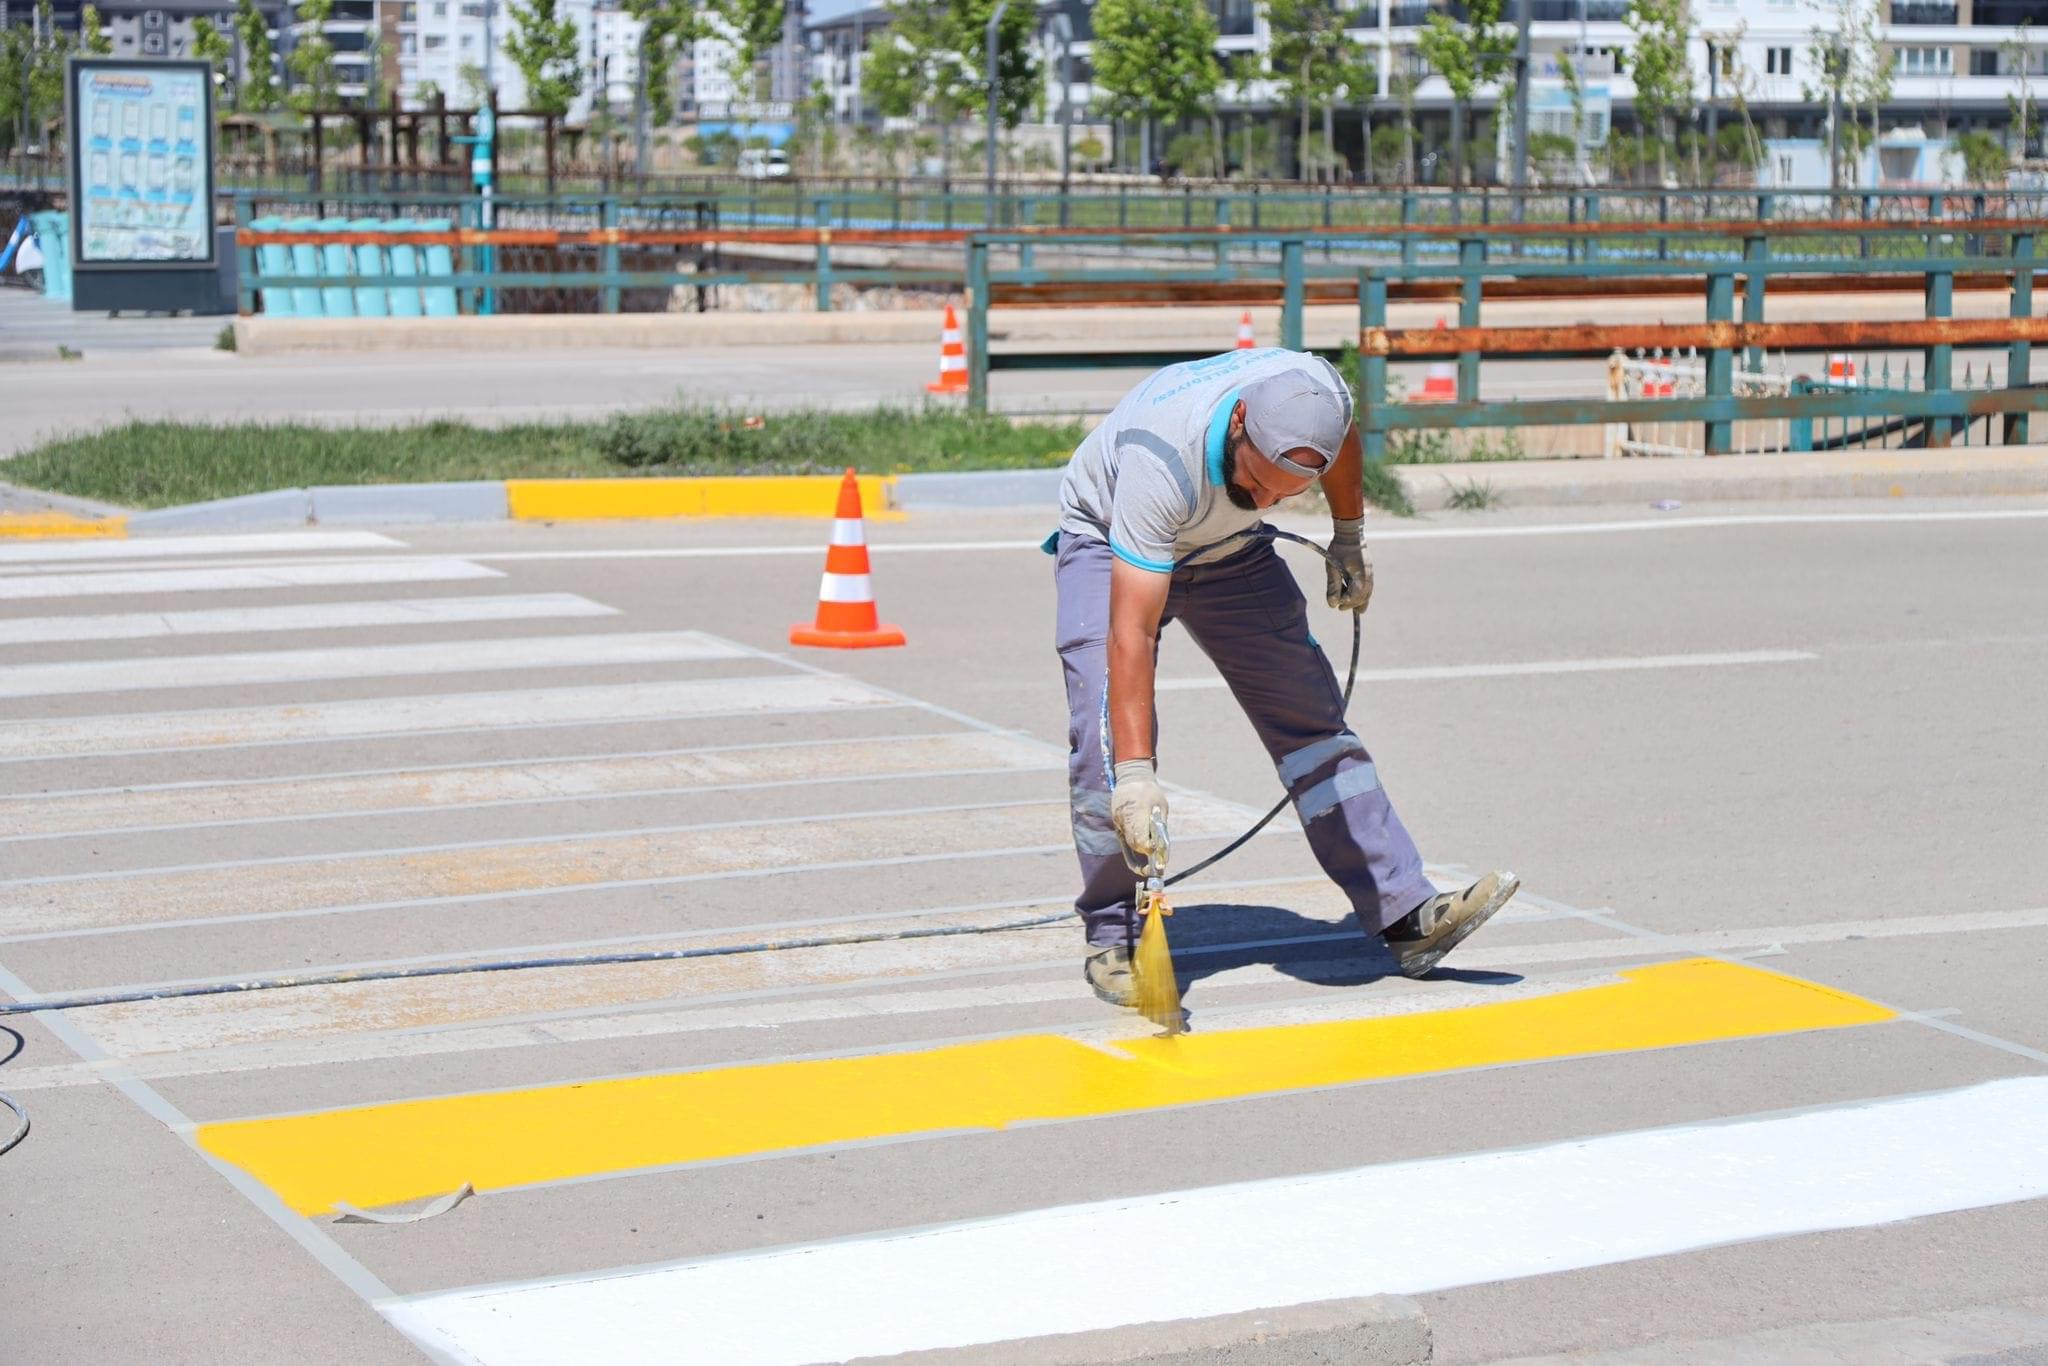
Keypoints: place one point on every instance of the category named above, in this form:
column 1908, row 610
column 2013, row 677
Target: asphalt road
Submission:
column 1771, row 779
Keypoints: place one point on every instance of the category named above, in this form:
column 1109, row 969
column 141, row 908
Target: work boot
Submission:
column 1422, row 937
column 1109, row 972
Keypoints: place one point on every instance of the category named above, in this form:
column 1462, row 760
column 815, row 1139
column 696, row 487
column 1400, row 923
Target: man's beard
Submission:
column 1230, row 489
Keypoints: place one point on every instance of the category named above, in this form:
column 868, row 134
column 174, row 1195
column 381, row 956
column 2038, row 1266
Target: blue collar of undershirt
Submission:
column 1219, row 428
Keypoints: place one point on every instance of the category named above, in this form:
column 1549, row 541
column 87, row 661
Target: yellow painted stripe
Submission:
column 386, row 1154
column 569, row 500
column 37, row 525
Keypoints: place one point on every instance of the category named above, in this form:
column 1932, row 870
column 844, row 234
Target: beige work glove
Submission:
column 1349, row 580
column 1132, row 801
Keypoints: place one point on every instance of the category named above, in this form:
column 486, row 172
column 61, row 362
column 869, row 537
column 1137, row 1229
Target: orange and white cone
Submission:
column 1440, row 381
column 1247, row 340
column 1841, row 369
column 952, row 358
column 846, row 597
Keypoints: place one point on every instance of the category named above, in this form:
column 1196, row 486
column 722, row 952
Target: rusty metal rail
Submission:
column 1939, row 411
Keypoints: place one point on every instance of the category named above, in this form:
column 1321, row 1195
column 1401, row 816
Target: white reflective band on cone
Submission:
column 847, row 531
column 846, row 588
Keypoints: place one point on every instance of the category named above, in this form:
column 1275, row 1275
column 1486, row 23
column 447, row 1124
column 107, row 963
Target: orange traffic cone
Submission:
column 846, row 598
column 1247, row 340
column 1440, row 381
column 952, row 359
column 1841, row 369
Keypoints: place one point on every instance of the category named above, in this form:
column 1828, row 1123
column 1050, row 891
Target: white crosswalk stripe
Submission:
column 362, row 661
column 241, row 577
column 320, row 616
column 166, row 547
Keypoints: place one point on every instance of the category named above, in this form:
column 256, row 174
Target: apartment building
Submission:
column 1956, row 67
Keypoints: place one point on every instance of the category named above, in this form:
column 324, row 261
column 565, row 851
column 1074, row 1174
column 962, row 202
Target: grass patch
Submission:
column 162, row 464
column 1383, row 489
column 224, row 340
column 1471, row 496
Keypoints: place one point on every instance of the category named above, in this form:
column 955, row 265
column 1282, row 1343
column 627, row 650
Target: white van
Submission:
column 764, row 163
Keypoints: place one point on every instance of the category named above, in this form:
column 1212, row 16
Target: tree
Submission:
column 914, row 69
column 1575, row 89
column 91, row 35
column 664, row 24
column 36, row 69
column 1985, row 158
column 931, row 61
column 1314, row 63
column 1662, row 30
column 544, row 46
column 311, row 62
column 2016, row 53
column 1852, row 69
column 1156, row 59
column 214, row 47
column 256, row 90
column 1467, row 56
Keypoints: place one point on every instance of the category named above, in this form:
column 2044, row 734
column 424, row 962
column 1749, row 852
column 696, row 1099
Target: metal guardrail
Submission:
column 1216, row 264
column 1942, row 406
column 1586, row 254
column 919, row 204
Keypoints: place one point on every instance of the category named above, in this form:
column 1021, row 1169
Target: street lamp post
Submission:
column 995, row 20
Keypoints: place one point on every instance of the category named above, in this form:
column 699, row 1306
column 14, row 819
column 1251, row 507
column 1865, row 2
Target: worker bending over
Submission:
column 1154, row 513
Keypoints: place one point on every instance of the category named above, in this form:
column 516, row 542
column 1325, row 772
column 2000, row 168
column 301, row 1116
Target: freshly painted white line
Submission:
column 1430, row 673
column 314, row 616
column 244, row 578
column 1398, row 1228
column 601, row 704
column 1378, row 532
column 361, row 661
column 164, row 547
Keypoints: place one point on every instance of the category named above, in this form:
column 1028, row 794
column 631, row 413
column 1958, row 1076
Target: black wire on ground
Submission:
column 326, row 979
column 10, row 1102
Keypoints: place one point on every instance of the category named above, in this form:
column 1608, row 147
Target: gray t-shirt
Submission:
column 1149, row 480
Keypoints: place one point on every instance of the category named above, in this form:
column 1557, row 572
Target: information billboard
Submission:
column 141, row 163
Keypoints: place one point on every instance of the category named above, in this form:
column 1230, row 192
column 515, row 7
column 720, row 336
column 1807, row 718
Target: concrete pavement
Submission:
column 1730, row 751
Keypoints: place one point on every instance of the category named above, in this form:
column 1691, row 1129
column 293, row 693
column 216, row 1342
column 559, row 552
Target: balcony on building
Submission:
column 2008, row 13
column 1572, row 11
column 1415, row 13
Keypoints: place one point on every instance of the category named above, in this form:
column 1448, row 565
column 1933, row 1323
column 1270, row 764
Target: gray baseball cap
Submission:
column 1292, row 410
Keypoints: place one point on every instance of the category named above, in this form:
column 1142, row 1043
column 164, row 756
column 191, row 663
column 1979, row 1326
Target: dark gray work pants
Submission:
column 1248, row 616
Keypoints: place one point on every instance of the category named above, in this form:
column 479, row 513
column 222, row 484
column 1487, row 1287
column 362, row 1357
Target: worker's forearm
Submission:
column 1344, row 482
column 1131, row 655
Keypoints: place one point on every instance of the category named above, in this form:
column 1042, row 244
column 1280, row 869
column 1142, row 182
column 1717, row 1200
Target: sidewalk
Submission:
column 1957, row 472
column 1961, row 472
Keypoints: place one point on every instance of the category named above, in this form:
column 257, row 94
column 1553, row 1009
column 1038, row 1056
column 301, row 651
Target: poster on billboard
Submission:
column 141, row 163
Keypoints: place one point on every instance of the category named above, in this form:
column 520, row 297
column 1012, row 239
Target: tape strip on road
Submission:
column 377, row 1155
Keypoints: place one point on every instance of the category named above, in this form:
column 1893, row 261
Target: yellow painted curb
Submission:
column 388, row 1153
column 53, row 525
column 575, row 500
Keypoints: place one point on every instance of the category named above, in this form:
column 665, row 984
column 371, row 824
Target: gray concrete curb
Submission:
column 1380, row 1330
column 978, row 489
column 1971, row 472
column 480, row 500
column 15, row 498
